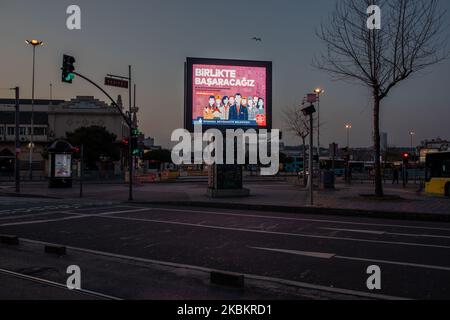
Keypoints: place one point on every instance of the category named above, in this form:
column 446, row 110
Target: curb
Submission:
column 391, row 215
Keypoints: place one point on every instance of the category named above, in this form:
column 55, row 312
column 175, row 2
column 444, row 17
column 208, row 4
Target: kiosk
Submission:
column 60, row 164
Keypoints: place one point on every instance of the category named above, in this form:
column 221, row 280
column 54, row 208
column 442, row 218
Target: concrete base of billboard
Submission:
column 228, row 193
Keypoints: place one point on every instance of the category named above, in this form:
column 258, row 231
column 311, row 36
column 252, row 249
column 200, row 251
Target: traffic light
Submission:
column 135, row 133
column 125, row 142
column 68, row 69
column 134, row 146
column 76, row 151
column 405, row 157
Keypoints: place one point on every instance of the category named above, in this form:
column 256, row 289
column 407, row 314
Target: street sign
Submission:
column 116, row 82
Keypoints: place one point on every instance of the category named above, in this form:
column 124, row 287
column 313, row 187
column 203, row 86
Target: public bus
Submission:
column 296, row 165
column 339, row 166
column 357, row 166
column 437, row 175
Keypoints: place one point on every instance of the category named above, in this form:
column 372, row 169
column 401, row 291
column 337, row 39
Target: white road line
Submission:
column 74, row 216
column 106, row 207
column 15, row 217
column 418, row 235
column 39, row 221
column 277, row 233
column 403, row 264
column 11, row 216
column 302, row 219
column 321, row 255
column 356, row 231
column 388, row 233
column 247, row 276
column 138, row 209
column 56, row 284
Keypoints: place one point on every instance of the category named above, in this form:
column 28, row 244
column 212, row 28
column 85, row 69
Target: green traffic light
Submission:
column 70, row 77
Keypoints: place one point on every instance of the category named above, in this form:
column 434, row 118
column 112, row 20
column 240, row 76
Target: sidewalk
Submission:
column 267, row 195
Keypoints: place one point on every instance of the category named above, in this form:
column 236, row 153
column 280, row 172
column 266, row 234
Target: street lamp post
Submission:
column 34, row 43
column 318, row 92
column 413, row 152
column 412, row 134
column 348, row 127
column 309, row 111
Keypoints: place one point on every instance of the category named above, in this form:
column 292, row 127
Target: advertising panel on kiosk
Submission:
column 228, row 94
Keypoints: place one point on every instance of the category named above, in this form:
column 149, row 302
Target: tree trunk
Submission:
column 377, row 144
column 305, row 178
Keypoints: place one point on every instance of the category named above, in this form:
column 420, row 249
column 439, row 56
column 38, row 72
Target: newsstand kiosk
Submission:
column 60, row 164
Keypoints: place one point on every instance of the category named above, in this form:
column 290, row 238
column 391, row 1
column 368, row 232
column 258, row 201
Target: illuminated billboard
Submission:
column 63, row 164
column 228, row 94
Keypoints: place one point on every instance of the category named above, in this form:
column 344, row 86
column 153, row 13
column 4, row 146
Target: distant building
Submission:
column 84, row 111
column 52, row 120
column 438, row 143
column 432, row 146
column 8, row 132
column 149, row 144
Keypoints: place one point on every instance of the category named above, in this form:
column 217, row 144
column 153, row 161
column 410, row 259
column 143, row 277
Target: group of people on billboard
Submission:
column 235, row 108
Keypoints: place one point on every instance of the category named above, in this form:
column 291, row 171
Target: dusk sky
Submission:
column 155, row 37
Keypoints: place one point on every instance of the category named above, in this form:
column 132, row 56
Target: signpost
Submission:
column 114, row 82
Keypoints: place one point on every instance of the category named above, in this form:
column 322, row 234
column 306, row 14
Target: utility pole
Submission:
column 51, row 93
column 17, row 142
column 32, row 118
column 318, row 125
column 130, row 157
column 311, row 159
column 333, row 163
column 318, row 92
column 81, row 169
column 309, row 111
column 34, row 43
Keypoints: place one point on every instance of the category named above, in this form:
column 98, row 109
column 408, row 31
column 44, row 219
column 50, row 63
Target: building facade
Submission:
column 84, row 112
column 52, row 120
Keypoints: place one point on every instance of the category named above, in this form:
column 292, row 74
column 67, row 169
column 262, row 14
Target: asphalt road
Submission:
column 321, row 253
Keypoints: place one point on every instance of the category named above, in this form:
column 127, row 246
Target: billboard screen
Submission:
column 63, row 164
column 228, row 93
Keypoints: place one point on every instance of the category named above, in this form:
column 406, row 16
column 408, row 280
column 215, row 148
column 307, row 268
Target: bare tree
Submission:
column 297, row 123
column 410, row 39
